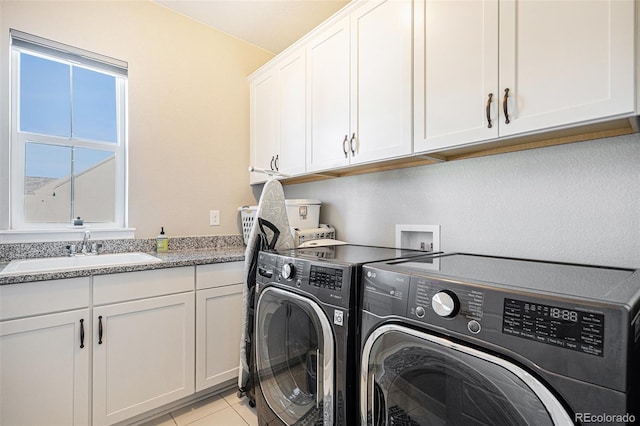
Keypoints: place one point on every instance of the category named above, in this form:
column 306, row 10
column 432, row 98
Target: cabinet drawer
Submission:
column 42, row 297
column 138, row 285
column 219, row 274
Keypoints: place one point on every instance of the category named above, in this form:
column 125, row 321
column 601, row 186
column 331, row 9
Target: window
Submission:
column 68, row 123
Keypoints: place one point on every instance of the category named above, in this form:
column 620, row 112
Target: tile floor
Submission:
column 224, row 409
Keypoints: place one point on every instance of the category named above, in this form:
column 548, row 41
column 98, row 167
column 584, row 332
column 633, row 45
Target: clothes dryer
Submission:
column 305, row 333
column 463, row 339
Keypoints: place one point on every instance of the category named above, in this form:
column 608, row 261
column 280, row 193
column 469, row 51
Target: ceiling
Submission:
column 270, row 24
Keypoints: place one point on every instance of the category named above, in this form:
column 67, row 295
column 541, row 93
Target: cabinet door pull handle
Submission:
column 100, row 330
column 271, row 163
column 504, row 106
column 81, row 333
column 275, row 162
column 351, row 145
column 344, row 146
column 489, row 124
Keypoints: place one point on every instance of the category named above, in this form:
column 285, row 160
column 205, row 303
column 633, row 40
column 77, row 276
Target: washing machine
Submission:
column 464, row 339
column 305, row 332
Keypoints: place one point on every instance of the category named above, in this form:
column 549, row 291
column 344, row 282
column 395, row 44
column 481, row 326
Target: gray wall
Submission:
column 573, row 203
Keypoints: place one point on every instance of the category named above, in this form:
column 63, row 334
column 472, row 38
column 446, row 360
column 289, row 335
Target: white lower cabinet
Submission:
column 219, row 319
column 147, row 340
column 44, row 371
column 143, row 350
column 45, row 358
column 142, row 356
column 218, row 323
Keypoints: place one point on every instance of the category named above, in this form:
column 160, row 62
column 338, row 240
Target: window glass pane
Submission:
column 47, row 185
column 45, row 100
column 94, row 105
column 95, row 184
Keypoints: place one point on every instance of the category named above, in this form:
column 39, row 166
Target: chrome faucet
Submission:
column 87, row 247
column 85, row 243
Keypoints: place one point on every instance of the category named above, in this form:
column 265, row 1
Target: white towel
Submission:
column 272, row 208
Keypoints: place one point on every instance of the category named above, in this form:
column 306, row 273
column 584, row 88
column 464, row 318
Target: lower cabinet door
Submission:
column 44, row 370
column 219, row 326
column 143, row 356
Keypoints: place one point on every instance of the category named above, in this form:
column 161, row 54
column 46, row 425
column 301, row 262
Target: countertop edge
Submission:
column 173, row 259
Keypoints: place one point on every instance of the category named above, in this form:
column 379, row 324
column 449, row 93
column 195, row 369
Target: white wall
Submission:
column 188, row 106
column 574, row 203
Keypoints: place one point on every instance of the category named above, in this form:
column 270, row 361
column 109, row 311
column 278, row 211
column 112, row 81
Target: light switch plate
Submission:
column 214, row 217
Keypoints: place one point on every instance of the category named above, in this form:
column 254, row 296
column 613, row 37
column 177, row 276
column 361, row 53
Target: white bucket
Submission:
column 302, row 213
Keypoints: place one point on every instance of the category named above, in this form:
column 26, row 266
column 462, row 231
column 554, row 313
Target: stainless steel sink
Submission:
column 58, row 264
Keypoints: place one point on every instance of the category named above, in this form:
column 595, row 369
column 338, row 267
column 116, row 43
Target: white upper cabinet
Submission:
column 558, row 63
column 566, row 61
column 456, row 71
column 293, row 102
column 359, row 85
column 278, row 127
column 328, row 80
column 381, row 89
column 264, row 121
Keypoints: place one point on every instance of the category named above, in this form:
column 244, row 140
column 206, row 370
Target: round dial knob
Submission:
column 288, row 271
column 445, row 304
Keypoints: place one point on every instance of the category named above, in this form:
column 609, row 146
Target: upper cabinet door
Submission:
column 292, row 87
column 381, row 87
column 565, row 62
column 264, row 124
column 456, row 72
column 328, row 77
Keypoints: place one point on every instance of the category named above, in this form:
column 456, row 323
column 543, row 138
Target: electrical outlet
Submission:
column 214, row 217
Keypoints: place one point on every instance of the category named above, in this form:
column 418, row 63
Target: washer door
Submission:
column 413, row 378
column 294, row 357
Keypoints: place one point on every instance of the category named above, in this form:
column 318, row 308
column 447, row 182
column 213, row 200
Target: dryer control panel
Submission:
column 330, row 283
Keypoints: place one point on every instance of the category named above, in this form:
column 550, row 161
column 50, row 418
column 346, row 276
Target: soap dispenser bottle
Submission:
column 162, row 242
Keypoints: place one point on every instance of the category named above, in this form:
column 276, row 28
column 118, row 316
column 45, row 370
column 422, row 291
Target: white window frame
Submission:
column 20, row 230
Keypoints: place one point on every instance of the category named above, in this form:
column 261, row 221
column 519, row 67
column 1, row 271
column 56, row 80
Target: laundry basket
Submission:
column 247, row 216
column 323, row 232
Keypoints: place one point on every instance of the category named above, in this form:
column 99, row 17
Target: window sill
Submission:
column 73, row 233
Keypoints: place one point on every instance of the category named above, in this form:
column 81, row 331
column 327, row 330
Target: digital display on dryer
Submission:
column 567, row 328
column 330, row 278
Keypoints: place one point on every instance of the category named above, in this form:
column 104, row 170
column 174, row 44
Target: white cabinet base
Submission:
column 219, row 319
column 146, row 358
column 44, row 373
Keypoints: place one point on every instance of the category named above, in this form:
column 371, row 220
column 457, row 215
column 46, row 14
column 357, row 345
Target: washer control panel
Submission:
column 445, row 303
column 558, row 326
column 431, row 297
column 541, row 327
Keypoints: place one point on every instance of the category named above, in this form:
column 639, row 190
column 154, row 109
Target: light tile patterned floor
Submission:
column 224, row 409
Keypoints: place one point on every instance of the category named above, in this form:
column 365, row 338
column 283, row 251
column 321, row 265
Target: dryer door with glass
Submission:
column 294, row 357
column 414, row 378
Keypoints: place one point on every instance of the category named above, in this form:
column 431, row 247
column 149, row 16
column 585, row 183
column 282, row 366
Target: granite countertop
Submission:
column 172, row 259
